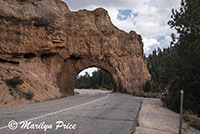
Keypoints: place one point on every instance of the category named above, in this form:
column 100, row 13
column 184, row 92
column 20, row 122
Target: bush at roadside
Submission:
column 147, row 94
column 193, row 120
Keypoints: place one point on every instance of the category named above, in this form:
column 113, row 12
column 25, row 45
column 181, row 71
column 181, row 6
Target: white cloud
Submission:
column 126, row 25
column 149, row 44
column 89, row 70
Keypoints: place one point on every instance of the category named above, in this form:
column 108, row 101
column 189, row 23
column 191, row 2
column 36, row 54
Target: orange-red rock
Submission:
column 47, row 45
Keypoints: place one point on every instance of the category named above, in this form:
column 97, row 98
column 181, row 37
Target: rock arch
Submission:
column 72, row 68
column 65, row 42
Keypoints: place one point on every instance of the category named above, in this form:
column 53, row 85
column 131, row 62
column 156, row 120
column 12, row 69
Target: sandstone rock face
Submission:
column 49, row 45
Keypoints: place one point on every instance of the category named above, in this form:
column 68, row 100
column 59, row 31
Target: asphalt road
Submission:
column 90, row 112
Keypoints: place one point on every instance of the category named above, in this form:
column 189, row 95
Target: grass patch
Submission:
column 147, row 94
column 193, row 120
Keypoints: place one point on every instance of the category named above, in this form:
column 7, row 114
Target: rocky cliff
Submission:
column 47, row 45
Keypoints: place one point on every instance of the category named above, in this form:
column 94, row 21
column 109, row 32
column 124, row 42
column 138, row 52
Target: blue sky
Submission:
column 147, row 17
column 125, row 13
column 160, row 38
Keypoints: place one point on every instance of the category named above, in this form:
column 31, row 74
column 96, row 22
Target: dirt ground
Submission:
column 156, row 119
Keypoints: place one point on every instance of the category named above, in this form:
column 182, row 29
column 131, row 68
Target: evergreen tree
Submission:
column 99, row 79
column 187, row 75
column 161, row 67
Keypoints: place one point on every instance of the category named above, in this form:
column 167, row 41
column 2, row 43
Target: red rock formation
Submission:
column 45, row 39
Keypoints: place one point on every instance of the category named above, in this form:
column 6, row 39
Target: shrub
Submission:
column 147, row 86
column 193, row 120
column 29, row 95
column 14, row 82
column 147, row 95
column 191, row 95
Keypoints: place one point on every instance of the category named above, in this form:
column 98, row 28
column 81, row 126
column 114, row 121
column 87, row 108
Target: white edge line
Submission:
column 60, row 111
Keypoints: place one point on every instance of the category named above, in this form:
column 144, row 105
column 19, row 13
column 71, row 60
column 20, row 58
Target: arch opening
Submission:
column 94, row 78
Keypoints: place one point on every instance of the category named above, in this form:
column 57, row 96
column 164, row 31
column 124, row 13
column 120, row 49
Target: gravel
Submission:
column 156, row 119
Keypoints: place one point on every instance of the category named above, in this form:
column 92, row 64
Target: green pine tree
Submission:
column 187, row 75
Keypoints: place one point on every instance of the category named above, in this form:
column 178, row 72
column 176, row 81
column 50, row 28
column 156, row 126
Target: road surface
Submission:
column 90, row 112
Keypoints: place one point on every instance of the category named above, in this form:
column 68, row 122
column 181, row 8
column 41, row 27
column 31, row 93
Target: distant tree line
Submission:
column 178, row 67
column 100, row 79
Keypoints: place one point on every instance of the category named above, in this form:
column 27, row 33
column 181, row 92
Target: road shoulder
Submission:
column 156, row 119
